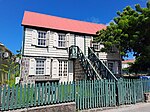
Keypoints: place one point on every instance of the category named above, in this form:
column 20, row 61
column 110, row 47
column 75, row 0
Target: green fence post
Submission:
column 49, row 93
column 103, row 93
column 115, row 93
column 98, row 91
column 83, row 94
column 20, row 104
column 52, row 96
column 55, row 94
column 77, row 95
column 12, row 98
column 8, row 97
column 80, row 93
column 16, row 97
column 134, row 93
column 39, row 93
column 106, row 92
column 3, row 98
column 142, row 92
column 35, row 94
column 95, row 91
column 61, row 92
column 32, row 93
column 90, row 95
column 28, row 95
column 70, row 91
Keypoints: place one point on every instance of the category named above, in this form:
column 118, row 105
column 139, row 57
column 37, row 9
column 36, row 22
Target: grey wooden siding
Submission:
column 50, row 51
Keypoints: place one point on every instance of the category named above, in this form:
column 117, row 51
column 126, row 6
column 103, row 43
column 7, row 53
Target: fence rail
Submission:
column 86, row 94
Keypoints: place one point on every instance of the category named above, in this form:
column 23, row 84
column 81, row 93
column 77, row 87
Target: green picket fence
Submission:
column 94, row 94
column 146, row 85
column 86, row 94
column 36, row 95
column 130, row 91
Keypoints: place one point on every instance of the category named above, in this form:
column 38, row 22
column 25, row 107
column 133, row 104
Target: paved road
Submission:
column 140, row 107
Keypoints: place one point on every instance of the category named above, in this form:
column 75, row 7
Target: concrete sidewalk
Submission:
column 140, row 107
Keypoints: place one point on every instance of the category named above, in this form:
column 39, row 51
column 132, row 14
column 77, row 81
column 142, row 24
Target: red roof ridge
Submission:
column 60, row 23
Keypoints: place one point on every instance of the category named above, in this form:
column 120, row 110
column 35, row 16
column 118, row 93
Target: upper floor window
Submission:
column 96, row 46
column 61, row 40
column 41, row 38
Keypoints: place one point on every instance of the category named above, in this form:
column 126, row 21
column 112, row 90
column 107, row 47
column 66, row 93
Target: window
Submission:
column 40, row 64
column 110, row 67
column 60, row 68
column 41, row 38
column 96, row 46
column 63, row 68
column 62, row 40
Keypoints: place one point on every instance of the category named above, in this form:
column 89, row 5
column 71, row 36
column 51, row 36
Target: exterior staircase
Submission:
column 94, row 68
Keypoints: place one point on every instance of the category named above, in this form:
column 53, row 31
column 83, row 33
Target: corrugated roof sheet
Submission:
column 128, row 61
column 53, row 22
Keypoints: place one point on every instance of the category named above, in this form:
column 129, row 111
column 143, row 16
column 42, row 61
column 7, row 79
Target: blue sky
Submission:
column 11, row 11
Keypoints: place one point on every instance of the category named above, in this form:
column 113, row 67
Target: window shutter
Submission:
column 67, row 40
column 55, row 37
column 48, row 61
column 55, row 68
column 47, row 38
column 32, row 66
column 34, row 37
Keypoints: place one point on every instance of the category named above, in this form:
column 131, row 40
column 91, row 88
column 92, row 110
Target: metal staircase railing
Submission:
column 99, row 66
column 76, row 53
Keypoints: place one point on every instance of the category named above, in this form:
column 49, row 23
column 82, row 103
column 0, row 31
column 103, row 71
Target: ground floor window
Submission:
column 111, row 66
column 63, row 67
column 40, row 65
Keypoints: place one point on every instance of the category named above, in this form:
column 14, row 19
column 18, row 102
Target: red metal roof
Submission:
column 53, row 22
column 128, row 61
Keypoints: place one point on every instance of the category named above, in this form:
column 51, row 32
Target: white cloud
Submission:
column 93, row 19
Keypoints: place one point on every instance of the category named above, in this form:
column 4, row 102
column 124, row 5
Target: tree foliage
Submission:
column 130, row 32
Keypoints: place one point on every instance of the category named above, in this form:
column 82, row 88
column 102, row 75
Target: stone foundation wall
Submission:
column 147, row 97
column 24, row 69
column 65, row 107
column 78, row 71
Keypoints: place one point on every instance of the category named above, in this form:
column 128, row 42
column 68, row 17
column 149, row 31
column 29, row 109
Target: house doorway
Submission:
column 80, row 42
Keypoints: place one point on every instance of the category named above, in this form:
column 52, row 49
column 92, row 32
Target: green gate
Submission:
column 130, row 91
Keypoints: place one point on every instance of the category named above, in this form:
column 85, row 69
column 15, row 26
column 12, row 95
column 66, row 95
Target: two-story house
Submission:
column 46, row 42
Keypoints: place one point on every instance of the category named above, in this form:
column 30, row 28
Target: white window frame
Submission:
column 63, row 68
column 39, row 66
column 62, row 41
column 41, row 40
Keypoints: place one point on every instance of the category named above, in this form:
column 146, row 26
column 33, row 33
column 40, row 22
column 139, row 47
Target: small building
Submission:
column 126, row 63
column 46, row 43
column 4, row 54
